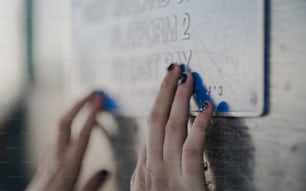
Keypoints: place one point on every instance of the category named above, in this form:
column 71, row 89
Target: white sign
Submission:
column 124, row 48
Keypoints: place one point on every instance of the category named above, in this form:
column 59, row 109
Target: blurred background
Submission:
column 30, row 84
column 33, row 45
column 14, row 79
column 34, row 52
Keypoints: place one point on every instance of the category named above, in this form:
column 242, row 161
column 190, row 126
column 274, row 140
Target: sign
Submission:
column 124, row 47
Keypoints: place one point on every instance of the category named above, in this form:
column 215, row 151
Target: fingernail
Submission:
column 102, row 175
column 96, row 97
column 182, row 66
column 183, row 78
column 170, row 67
column 99, row 92
column 204, row 106
column 93, row 93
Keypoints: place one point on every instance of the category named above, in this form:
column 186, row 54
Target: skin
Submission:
column 170, row 159
column 70, row 153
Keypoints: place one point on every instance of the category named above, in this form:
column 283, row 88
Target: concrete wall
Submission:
column 269, row 153
column 279, row 138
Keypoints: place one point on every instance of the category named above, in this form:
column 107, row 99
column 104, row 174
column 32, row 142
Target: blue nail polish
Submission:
column 182, row 66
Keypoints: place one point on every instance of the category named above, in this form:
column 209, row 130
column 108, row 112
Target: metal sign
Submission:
column 124, row 48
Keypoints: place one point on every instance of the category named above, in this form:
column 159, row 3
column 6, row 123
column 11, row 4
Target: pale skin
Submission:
column 70, row 153
column 171, row 159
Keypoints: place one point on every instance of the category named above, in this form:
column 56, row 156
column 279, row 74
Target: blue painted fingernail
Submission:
column 170, row 67
column 183, row 78
column 182, row 66
column 102, row 175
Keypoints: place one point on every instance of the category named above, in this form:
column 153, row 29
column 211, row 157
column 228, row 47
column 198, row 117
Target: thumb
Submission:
column 96, row 181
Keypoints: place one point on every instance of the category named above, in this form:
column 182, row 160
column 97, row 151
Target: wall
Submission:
column 266, row 153
column 12, row 57
column 279, row 138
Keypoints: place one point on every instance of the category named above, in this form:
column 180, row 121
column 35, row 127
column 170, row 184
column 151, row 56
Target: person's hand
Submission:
column 171, row 160
column 70, row 153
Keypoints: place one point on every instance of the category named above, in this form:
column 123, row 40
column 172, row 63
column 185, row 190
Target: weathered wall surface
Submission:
column 269, row 153
column 280, row 138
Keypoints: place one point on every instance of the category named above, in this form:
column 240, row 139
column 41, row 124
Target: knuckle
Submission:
column 200, row 125
column 190, row 152
column 148, row 180
column 140, row 185
column 202, row 122
column 139, row 180
column 172, row 126
column 156, row 178
column 155, row 117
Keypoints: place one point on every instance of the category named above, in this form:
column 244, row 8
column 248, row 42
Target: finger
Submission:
column 84, row 136
column 176, row 128
column 96, row 181
column 65, row 126
column 160, row 111
column 192, row 164
column 141, row 161
column 142, row 157
column 132, row 182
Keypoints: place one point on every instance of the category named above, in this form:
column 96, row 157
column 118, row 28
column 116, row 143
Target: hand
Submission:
column 172, row 160
column 70, row 153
